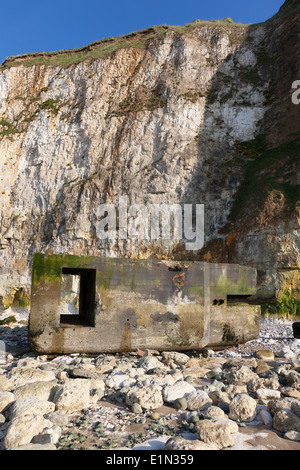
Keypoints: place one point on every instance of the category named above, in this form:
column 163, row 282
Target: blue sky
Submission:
column 33, row 25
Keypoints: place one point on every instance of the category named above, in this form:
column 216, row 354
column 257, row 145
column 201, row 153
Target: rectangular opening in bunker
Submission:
column 78, row 296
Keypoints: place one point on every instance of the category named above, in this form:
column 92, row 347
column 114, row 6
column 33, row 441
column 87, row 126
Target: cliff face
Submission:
column 194, row 114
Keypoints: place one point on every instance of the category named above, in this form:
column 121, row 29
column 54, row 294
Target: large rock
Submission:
column 105, row 364
column 74, row 395
column 38, row 390
column 285, row 421
column 242, row 408
column 150, row 362
column 5, row 399
column 6, row 385
column 218, row 397
column 22, row 429
column 20, row 376
column 217, row 431
column 240, row 375
column 116, row 380
column 236, row 362
column 29, row 407
column 147, row 398
column 212, row 412
column 198, row 400
column 178, row 443
column 293, row 379
column 267, row 394
column 180, row 389
column 277, row 405
column 177, row 357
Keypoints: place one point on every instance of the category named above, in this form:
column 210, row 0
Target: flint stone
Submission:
column 136, row 408
column 180, row 404
column 211, row 374
column 41, row 439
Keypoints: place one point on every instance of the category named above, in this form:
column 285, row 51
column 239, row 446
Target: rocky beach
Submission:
column 243, row 398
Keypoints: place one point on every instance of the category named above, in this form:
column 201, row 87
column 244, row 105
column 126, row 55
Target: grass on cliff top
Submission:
column 106, row 47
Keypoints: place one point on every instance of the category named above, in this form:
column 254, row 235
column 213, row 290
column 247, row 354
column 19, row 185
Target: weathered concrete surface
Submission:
column 150, row 304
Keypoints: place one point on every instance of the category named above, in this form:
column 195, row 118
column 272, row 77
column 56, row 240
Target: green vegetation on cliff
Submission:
column 106, row 47
column 287, row 305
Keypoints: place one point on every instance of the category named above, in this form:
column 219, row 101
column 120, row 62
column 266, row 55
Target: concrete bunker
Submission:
column 98, row 304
